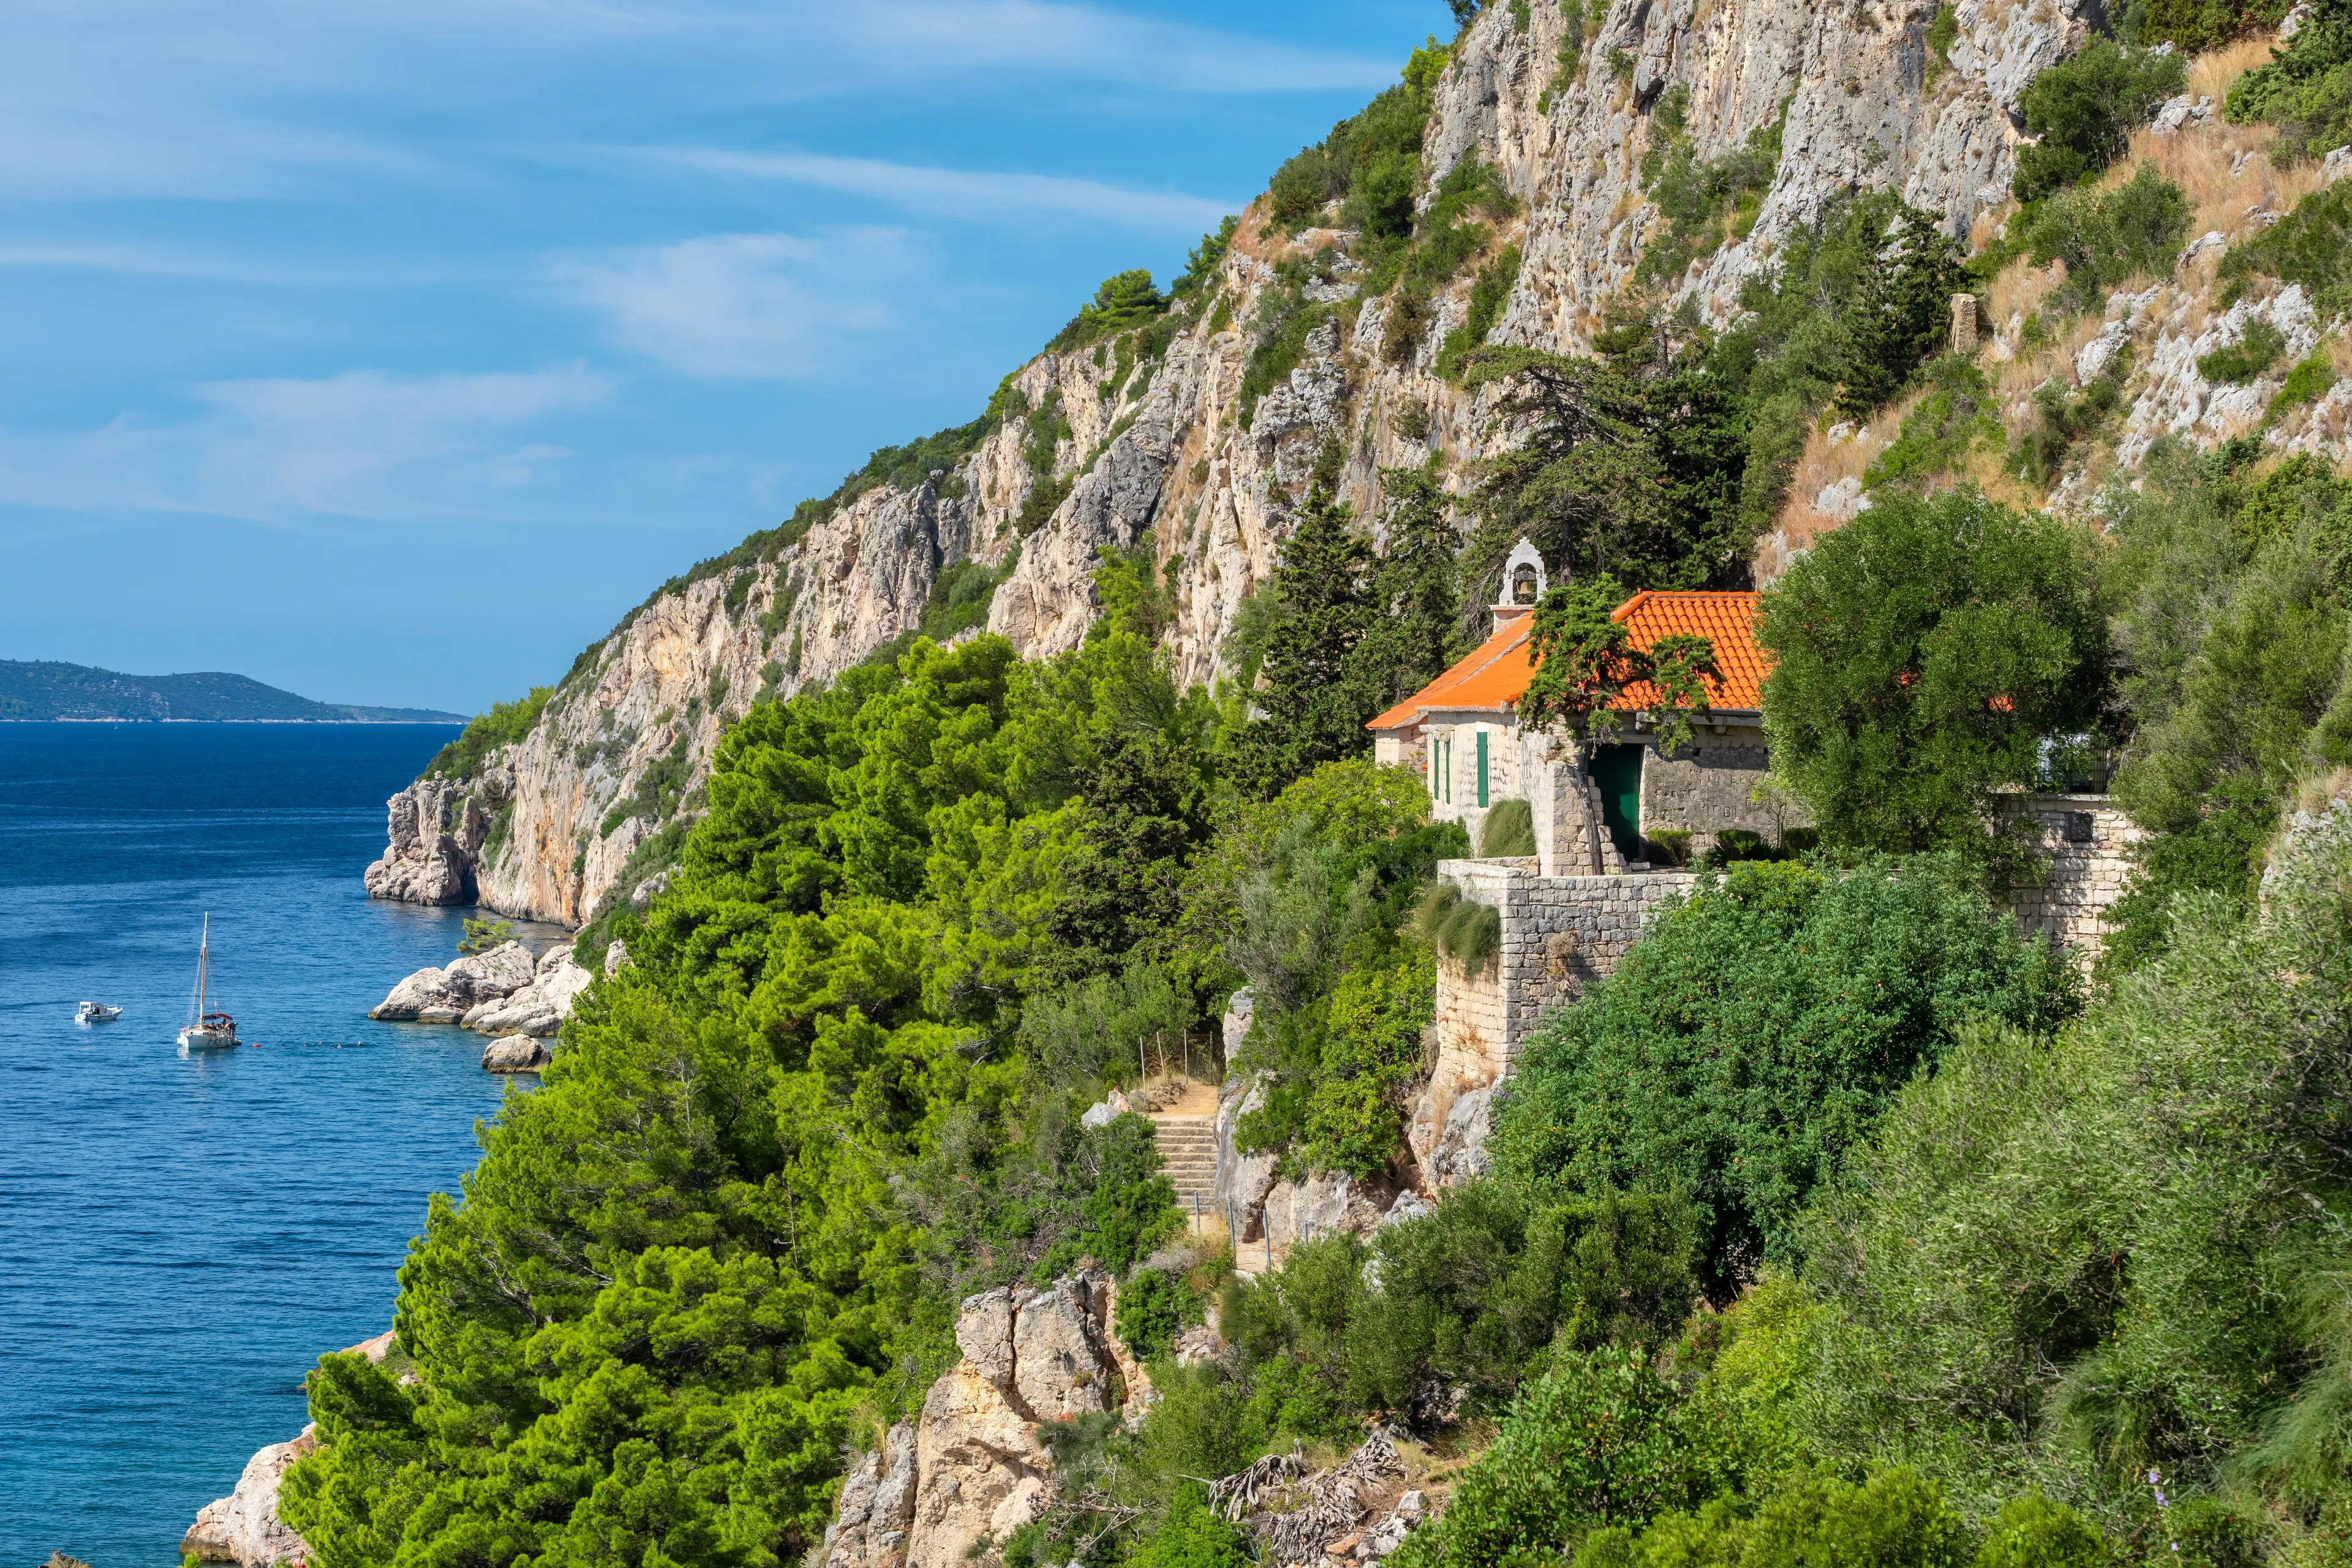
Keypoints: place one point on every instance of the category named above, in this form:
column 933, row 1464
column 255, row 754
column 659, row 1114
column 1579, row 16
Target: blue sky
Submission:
column 389, row 352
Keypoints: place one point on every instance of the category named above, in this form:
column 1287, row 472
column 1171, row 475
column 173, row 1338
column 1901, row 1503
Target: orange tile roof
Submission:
column 1491, row 679
column 1725, row 620
column 1451, row 690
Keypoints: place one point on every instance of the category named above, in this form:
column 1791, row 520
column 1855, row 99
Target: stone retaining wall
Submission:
column 2088, row 842
column 1560, row 933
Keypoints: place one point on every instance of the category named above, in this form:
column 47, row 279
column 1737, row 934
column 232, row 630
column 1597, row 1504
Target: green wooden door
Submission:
column 1617, row 770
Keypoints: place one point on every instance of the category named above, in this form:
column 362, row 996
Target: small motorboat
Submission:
column 205, row 1031
column 96, row 1013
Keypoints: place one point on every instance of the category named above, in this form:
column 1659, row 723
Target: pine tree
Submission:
column 1312, row 712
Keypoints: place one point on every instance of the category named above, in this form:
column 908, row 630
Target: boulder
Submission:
column 1461, row 1151
column 616, row 958
column 243, row 1526
column 540, row 1007
column 1242, row 1180
column 515, row 1053
column 1320, row 1205
column 446, row 995
column 59, row 1560
column 425, row 988
column 1240, row 1011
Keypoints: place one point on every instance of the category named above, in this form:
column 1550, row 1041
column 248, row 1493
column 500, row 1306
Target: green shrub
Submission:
column 1354, row 1114
column 2033, row 1531
column 1472, row 1295
column 1192, row 1535
column 1703, row 204
column 2198, row 25
column 2311, row 246
column 1754, row 1036
column 2256, row 350
column 2306, row 89
column 483, row 935
column 503, row 725
column 2311, row 379
column 1489, row 295
column 1958, row 416
column 2085, row 109
column 1601, row 1440
column 2107, row 237
column 1152, row 1306
column 2061, row 422
column 1370, row 164
column 1508, row 829
column 1200, row 265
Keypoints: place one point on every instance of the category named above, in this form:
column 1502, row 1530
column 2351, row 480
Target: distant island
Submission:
column 32, row 692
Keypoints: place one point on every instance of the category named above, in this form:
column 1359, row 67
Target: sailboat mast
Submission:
column 204, row 950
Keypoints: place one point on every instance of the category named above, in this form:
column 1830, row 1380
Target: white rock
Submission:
column 515, row 1053
column 444, row 996
column 616, row 958
column 1842, row 499
column 2337, row 164
column 540, row 1007
column 243, row 1526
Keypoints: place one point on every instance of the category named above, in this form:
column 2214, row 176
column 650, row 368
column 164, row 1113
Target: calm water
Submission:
column 180, row 1238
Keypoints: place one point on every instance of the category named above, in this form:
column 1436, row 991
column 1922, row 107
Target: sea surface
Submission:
column 181, row 1237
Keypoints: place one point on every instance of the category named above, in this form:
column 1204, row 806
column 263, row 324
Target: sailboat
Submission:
column 205, row 1031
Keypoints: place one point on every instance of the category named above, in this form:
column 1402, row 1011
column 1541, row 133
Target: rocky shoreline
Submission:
column 504, row 992
column 243, row 1527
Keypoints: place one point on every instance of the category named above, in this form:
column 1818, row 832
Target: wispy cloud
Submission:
column 364, row 443
column 939, row 37
column 972, row 194
column 779, row 307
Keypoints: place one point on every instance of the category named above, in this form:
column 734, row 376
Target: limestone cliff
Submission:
column 971, row 1467
column 1101, row 445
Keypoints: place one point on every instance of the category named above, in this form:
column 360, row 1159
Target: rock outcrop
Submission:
column 971, row 1466
column 516, row 1053
column 243, row 1526
column 446, row 996
column 538, row 1008
column 581, row 810
column 501, row 992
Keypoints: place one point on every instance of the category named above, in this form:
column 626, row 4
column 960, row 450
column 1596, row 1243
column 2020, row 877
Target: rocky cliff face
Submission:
column 971, row 1466
column 1158, row 453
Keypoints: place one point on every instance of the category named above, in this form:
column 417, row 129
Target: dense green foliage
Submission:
column 2311, row 246
column 2306, row 89
column 1370, row 164
column 2232, row 626
column 2083, row 111
column 1925, row 654
column 503, row 725
column 1753, row 1039
column 2105, row 237
column 1704, row 203
column 1838, row 1226
column 2075, row 1262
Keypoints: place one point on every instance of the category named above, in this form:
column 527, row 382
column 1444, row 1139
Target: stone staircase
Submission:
column 1188, row 1148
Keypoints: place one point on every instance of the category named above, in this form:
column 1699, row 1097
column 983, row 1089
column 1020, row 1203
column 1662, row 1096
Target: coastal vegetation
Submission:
column 1839, row 1226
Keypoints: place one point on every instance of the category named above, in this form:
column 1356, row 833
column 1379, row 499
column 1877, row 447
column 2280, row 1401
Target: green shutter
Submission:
column 1482, row 767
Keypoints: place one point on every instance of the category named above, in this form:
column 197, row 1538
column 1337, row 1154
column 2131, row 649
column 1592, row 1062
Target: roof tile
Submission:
column 1493, row 676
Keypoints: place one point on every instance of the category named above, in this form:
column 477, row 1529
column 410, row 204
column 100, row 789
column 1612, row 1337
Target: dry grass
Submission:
column 2199, row 158
column 1822, row 463
column 2209, row 75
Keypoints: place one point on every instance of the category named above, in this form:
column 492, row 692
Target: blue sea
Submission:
column 182, row 1236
